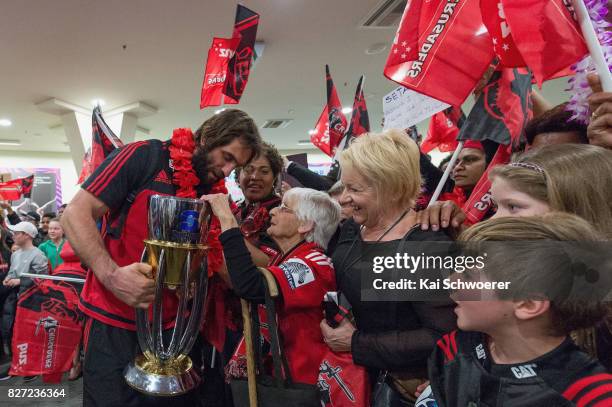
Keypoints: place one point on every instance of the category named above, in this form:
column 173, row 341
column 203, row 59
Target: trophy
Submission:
column 177, row 228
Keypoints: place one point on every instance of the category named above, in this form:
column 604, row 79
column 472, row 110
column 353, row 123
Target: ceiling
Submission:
column 154, row 51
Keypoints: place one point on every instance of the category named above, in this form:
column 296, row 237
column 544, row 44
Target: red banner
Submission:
column 239, row 66
column 443, row 130
column 546, row 34
column 47, row 329
column 441, row 49
column 219, row 54
column 343, row 383
column 103, row 142
column 539, row 34
column 337, row 121
column 16, row 188
column 360, row 120
column 320, row 136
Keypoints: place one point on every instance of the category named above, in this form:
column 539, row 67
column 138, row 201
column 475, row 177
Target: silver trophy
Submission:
column 177, row 228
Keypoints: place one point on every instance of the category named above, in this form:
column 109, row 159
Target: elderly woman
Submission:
column 301, row 227
column 380, row 173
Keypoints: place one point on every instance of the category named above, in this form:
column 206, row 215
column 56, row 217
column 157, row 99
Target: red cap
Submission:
column 473, row 144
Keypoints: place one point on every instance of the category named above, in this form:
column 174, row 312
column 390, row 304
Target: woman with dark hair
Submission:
column 257, row 181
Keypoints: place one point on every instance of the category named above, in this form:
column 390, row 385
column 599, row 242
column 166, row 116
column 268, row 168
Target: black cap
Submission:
column 33, row 216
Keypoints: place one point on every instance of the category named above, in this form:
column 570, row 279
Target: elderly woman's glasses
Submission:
column 284, row 208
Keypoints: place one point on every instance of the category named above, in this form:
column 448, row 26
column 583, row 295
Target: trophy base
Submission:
column 172, row 378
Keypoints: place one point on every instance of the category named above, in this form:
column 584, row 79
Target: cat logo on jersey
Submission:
column 297, row 272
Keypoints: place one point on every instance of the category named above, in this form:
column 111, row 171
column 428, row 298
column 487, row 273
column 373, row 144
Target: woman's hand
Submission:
column 441, row 214
column 599, row 131
column 338, row 339
column 219, row 203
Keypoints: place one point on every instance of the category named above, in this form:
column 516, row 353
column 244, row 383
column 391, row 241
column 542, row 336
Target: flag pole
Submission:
column 590, row 37
column 446, row 174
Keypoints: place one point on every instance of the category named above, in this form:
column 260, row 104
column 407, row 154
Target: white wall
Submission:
column 31, row 159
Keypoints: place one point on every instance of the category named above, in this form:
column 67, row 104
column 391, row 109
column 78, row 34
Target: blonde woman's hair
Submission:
column 389, row 162
column 572, row 178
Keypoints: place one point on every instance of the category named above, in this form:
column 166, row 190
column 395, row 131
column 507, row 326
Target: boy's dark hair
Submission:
column 538, row 258
column 556, row 119
column 221, row 129
column 51, row 215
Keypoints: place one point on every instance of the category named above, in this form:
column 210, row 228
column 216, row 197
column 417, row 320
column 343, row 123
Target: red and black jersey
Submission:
column 123, row 184
column 462, row 373
column 254, row 220
column 303, row 276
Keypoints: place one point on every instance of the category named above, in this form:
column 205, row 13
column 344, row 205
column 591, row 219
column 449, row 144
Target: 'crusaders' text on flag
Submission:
column 443, row 130
column 103, row 142
column 239, row 67
column 219, row 54
column 441, row 49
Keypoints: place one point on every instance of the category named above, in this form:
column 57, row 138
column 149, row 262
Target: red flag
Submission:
column 360, row 121
column 441, row 49
column 103, row 142
column 16, row 188
column 337, row 121
column 545, row 33
column 443, row 130
column 539, row 34
column 245, row 28
column 320, row 135
column 500, row 114
column 47, row 328
column 219, row 54
column 479, row 202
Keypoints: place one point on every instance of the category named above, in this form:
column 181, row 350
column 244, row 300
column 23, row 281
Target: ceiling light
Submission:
column 347, row 110
column 219, row 111
column 311, row 132
column 304, row 143
column 10, row 142
column 98, row 102
column 5, row 122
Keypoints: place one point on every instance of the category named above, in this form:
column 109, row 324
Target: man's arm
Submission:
column 132, row 284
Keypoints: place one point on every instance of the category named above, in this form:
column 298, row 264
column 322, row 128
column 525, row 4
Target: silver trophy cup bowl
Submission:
column 177, row 228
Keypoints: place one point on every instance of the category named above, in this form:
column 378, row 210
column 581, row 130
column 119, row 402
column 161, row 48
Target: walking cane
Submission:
column 250, row 356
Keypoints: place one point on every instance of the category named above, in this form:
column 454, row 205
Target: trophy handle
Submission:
column 179, row 325
column 142, row 322
column 157, row 328
column 189, row 336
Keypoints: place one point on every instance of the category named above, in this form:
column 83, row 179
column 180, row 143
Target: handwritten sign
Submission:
column 403, row 108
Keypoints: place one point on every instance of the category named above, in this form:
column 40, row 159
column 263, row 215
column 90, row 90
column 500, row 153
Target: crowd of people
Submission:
column 527, row 348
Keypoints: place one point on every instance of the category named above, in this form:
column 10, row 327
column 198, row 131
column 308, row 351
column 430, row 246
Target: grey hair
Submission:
column 316, row 207
column 336, row 189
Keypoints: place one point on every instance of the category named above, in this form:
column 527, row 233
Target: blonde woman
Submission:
column 381, row 178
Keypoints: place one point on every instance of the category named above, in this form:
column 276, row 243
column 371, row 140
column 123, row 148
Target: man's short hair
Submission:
column 556, row 119
column 221, row 129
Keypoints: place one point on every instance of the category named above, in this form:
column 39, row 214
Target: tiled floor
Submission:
column 73, row 391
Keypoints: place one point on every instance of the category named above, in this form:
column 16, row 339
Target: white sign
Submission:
column 403, row 108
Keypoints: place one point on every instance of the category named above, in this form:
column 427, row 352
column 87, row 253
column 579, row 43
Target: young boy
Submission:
column 513, row 349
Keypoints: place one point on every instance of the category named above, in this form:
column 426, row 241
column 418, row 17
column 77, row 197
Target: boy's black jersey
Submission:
column 462, row 373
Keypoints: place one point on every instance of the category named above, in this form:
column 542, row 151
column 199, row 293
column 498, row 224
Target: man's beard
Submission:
column 206, row 173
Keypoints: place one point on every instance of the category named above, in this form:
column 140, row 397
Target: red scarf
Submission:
column 185, row 179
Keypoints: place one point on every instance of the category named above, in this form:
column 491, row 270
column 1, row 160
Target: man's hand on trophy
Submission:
column 133, row 284
column 220, row 206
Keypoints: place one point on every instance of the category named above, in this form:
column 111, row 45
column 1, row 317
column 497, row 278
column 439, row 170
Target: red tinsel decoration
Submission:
column 181, row 153
column 185, row 179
